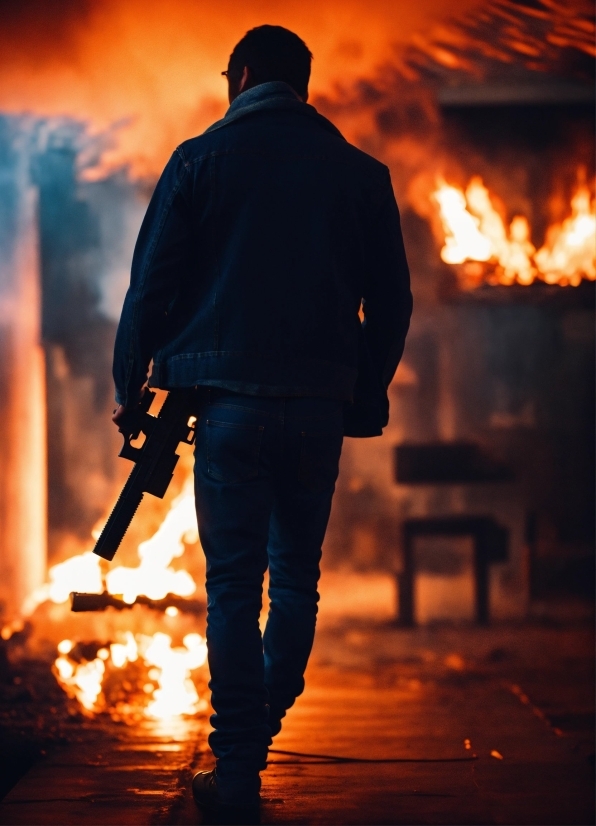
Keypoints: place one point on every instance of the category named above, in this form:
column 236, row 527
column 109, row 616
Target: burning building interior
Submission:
column 476, row 506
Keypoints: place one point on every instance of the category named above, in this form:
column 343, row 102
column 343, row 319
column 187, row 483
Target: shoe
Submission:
column 206, row 796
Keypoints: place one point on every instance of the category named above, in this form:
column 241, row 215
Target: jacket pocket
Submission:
column 233, row 451
column 319, row 460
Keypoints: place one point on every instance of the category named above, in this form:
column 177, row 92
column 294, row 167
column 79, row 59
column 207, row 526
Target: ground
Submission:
column 468, row 725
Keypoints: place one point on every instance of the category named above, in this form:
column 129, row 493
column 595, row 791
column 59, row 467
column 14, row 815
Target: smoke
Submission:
column 159, row 64
column 119, row 206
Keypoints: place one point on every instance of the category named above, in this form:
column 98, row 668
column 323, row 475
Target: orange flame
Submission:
column 569, row 253
column 153, row 577
column 475, row 232
column 169, row 691
column 169, row 667
column 80, row 680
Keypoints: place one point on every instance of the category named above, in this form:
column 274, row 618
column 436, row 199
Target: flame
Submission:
column 176, row 694
column 81, row 680
column 79, row 573
column 474, row 231
column 153, row 577
column 123, row 653
column 569, row 253
column 167, row 689
column 463, row 238
column 168, row 667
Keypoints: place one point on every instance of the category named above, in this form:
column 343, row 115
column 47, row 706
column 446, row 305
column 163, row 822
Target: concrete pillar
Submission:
column 23, row 474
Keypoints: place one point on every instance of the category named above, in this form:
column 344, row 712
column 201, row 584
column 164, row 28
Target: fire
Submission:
column 570, row 249
column 176, row 694
column 463, row 238
column 165, row 684
column 153, row 577
column 162, row 672
column 81, row 572
column 475, row 232
column 81, row 680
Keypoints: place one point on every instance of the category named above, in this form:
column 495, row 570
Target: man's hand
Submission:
column 121, row 411
column 118, row 414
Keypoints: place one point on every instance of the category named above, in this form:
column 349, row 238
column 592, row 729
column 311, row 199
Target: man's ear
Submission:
column 245, row 80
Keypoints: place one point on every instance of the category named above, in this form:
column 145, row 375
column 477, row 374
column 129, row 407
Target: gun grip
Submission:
column 132, row 420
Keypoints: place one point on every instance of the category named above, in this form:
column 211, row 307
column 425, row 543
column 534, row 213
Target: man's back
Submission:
column 278, row 228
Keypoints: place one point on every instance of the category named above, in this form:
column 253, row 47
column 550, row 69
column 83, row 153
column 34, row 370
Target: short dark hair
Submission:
column 273, row 53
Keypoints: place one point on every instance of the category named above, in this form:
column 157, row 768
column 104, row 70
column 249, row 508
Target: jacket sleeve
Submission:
column 387, row 306
column 387, row 299
column 160, row 257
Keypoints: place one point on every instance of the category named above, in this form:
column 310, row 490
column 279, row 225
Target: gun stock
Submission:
column 155, row 460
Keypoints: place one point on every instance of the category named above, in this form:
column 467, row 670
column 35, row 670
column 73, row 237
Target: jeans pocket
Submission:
column 319, row 460
column 233, row 451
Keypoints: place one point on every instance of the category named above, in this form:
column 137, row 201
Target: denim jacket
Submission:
column 261, row 241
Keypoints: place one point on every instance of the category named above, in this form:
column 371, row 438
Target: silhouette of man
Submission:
column 263, row 239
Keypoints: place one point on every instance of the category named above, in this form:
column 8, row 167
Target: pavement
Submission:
column 441, row 725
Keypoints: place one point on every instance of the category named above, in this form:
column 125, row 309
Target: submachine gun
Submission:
column 154, row 460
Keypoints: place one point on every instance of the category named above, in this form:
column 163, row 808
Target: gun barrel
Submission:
column 119, row 520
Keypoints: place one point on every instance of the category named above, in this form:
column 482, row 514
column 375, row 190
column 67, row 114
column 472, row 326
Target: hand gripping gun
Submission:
column 154, row 460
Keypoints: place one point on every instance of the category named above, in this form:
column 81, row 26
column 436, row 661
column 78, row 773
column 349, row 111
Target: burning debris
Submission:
column 138, row 676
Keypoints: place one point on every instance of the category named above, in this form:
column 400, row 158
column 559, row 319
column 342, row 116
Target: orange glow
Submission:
column 475, row 232
column 154, row 69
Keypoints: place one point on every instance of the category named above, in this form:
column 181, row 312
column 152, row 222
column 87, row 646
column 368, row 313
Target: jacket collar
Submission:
column 268, row 96
column 274, row 90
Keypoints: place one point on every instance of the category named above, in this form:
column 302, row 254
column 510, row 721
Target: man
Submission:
column 263, row 239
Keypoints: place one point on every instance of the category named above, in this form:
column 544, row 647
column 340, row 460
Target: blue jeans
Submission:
column 265, row 471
